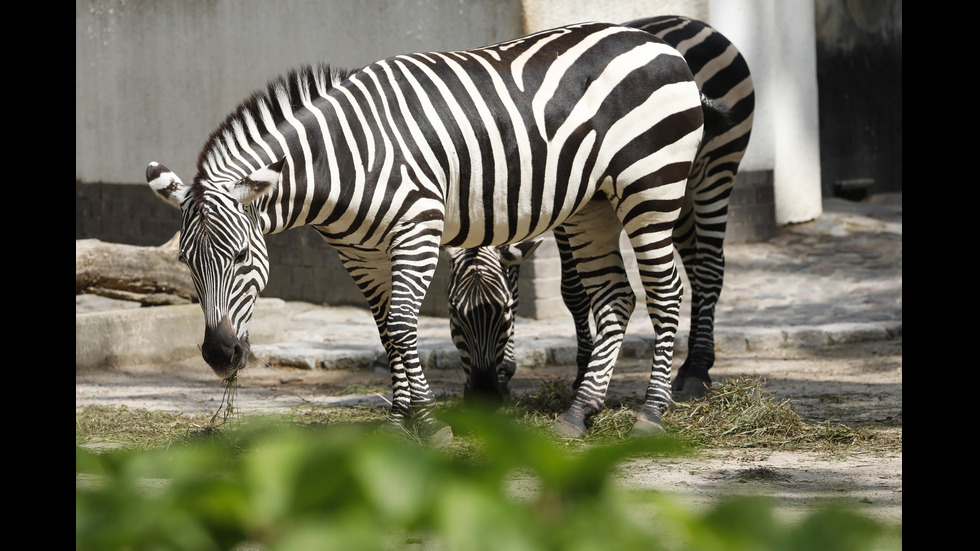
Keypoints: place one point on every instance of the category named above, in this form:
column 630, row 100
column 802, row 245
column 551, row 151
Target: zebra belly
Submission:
column 505, row 224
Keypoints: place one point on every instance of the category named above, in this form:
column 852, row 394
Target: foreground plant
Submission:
column 289, row 487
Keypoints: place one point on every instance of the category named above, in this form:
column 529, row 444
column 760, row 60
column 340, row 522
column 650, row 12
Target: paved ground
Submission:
column 836, row 279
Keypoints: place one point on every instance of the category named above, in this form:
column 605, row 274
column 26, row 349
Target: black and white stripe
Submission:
column 473, row 148
column 482, row 297
column 723, row 77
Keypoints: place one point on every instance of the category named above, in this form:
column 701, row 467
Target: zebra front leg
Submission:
column 412, row 267
column 394, row 287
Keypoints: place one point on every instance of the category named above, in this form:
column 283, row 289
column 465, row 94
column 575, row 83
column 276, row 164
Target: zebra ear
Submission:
column 258, row 183
column 166, row 184
column 512, row 255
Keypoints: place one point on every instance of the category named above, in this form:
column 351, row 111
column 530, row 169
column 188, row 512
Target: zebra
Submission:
column 578, row 125
column 723, row 77
column 482, row 296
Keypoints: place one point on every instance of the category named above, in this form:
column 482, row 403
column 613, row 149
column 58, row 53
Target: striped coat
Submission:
column 472, row 148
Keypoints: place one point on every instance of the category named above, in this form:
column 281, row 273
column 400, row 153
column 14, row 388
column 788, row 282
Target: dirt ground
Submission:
column 859, row 385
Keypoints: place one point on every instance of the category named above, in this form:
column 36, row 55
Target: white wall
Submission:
column 545, row 14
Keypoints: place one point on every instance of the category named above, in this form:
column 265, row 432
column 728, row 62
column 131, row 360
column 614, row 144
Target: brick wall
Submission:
column 751, row 208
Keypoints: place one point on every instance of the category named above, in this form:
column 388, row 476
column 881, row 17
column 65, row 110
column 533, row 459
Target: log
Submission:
column 148, row 275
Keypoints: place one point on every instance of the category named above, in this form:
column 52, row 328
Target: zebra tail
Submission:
column 717, row 114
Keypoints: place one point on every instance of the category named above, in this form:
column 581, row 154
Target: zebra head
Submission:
column 483, row 298
column 224, row 248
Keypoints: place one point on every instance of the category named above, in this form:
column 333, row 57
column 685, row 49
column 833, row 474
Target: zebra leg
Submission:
column 650, row 234
column 507, row 368
column 511, row 258
column 705, row 265
column 700, row 344
column 577, row 301
column 412, row 268
column 593, row 238
column 394, row 286
column 700, row 235
column 663, row 289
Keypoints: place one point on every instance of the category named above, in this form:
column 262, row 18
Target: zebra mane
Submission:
column 248, row 125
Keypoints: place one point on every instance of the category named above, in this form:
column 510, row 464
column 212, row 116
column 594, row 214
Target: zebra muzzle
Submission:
column 223, row 350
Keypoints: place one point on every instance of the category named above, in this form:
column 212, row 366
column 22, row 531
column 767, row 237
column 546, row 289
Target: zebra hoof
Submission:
column 394, row 428
column 645, row 426
column 692, row 388
column 436, row 433
column 440, row 438
column 569, row 428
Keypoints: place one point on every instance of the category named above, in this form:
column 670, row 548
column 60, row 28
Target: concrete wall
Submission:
column 152, row 80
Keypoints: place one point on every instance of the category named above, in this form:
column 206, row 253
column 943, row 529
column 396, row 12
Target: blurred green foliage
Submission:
column 284, row 487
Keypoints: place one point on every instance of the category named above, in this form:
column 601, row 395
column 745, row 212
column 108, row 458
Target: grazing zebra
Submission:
column 723, row 77
column 579, row 125
column 483, row 297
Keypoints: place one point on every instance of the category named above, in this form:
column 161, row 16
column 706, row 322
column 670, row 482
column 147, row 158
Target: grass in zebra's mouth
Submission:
column 227, row 407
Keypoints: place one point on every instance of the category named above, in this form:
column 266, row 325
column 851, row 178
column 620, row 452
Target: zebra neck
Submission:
column 271, row 216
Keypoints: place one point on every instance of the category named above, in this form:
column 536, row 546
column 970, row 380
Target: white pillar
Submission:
column 778, row 40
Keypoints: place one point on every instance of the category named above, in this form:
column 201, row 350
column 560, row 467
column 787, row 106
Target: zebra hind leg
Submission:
column 701, row 245
column 593, row 237
column 650, row 235
column 577, row 302
column 693, row 372
column 663, row 294
column 693, row 379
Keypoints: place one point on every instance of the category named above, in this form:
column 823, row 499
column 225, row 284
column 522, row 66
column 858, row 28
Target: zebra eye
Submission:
column 182, row 258
column 241, row 256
